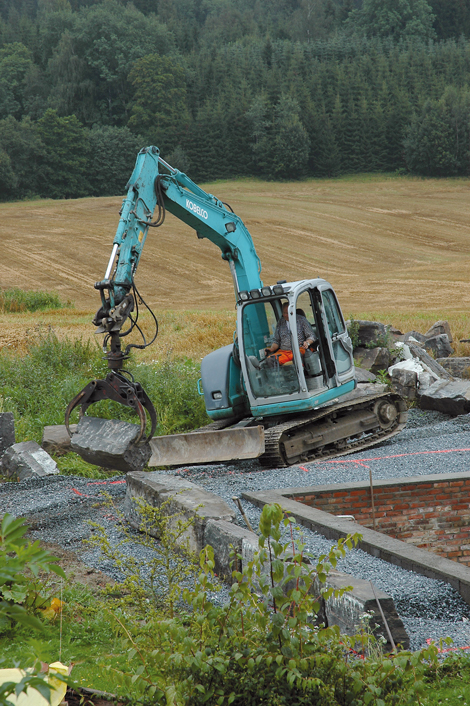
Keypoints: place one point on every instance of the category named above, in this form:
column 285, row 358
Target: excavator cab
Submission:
column 303, row 382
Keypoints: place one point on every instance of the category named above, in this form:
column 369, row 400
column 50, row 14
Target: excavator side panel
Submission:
column 223, row 394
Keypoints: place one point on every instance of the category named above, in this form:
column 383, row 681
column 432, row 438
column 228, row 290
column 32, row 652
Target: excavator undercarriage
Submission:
column 329, row 432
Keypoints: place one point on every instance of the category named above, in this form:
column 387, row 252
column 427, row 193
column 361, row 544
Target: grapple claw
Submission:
column 118, row 388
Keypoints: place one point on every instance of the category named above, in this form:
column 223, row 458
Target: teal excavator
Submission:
column 303, row 410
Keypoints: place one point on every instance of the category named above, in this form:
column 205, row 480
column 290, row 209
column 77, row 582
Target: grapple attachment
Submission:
column 118, row 388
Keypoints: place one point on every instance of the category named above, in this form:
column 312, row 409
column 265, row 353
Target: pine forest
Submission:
column 275, row 89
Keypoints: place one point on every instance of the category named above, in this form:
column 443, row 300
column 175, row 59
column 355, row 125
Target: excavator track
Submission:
column 335, row 430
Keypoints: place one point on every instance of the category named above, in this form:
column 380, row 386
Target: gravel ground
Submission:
column 60, row 508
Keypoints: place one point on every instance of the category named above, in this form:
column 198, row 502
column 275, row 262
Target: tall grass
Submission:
column 14, row 301
column 37, row 386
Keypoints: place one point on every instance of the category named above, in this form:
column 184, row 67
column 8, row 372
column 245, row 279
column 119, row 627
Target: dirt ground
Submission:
column 75, row 569
column 386, row 244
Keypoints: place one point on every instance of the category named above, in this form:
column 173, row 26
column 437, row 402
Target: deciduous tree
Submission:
column 160, row 111
column 399, row 19
column 62, row 169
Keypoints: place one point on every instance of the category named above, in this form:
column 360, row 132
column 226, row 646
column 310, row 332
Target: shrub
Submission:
column 263, row 646
column 20, row 563
column 21, row 594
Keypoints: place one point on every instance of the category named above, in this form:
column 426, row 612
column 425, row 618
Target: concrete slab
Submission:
column 110, row 443
column 210, row 446
column 347, row 610
column 183, row 497
column 28, row 460
column 223, row 536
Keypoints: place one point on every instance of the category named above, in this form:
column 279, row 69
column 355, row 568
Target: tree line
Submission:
column 279, row 89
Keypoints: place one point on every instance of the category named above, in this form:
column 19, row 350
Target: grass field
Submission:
column 394, row 248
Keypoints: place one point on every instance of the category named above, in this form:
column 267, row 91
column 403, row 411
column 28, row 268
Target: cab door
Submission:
column 341, row 345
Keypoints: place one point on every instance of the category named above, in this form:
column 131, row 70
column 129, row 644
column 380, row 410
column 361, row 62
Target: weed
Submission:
column 383, row 377
column 18, row 300
column 353, row 331
column 155, row 583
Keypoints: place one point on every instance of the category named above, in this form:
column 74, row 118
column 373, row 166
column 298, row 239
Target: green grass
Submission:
column 88, row 640
column 15, row 300
column 72, row 464
column 38, row 386
column 451, row 685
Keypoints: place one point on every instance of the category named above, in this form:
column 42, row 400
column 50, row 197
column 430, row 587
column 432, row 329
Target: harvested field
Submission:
column 393, row 245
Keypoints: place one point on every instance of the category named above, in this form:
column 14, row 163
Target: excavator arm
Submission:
column 154, row 184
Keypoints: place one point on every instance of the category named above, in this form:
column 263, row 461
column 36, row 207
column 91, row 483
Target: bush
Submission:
column 20, row 563
column 172, row 387
column 263, row 646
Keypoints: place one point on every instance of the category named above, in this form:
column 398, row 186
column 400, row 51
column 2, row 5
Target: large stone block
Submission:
column 28, row 460
column 458, row 367
column 418, row 337
column 450, row 397
column 347, row 610
column 363, row 375
column 7, row 432
column 373, row 359
column 440, row 327
column 405, row 382
column 176, row 495
column 428, row 362
column 110, row 443
column 224, row 536
column 56, row 439
column 439, row 345
column 372, row 333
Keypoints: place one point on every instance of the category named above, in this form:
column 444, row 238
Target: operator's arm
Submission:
column 276, row 344
column 306, row 330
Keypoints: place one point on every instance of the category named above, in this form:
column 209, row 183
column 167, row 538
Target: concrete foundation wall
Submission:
column 432, row 514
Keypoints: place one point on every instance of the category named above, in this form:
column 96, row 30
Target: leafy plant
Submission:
column 20, row 594
column 353, row 331
column 20, row 564
column 263, row 646
column 383, row 377
column 157, row 581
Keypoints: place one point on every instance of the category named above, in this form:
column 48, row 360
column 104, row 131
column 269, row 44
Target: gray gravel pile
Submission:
column 60, row 508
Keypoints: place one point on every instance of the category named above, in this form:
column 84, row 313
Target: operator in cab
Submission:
column 280, row 352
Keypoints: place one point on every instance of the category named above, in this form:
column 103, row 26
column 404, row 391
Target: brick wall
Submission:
column 432, row 515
